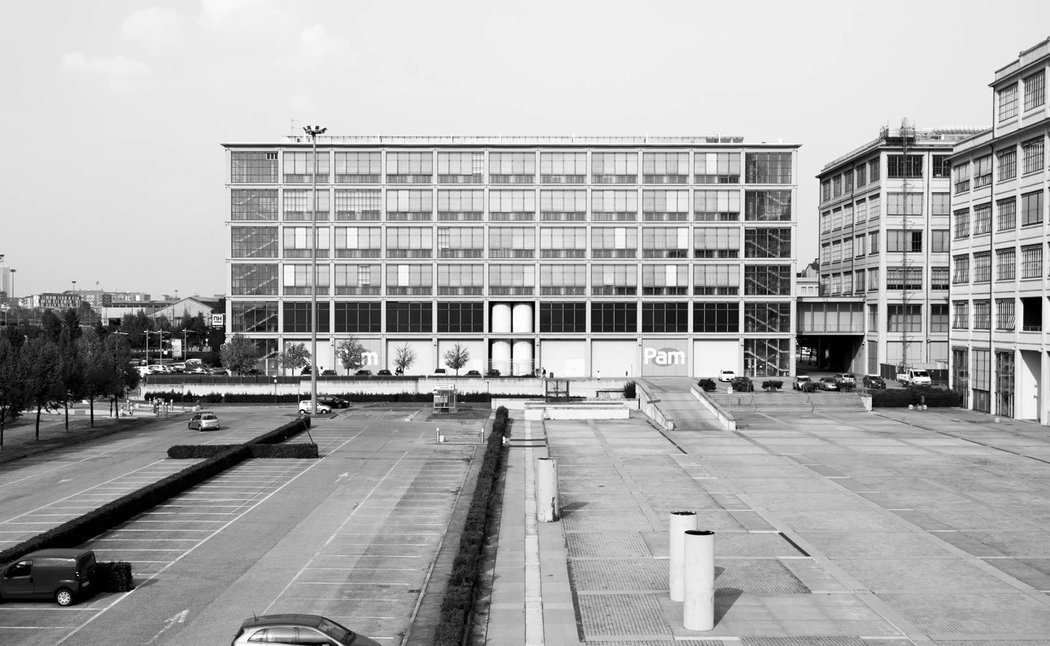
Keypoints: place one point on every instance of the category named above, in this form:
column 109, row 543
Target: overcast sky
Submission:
column 114, row 111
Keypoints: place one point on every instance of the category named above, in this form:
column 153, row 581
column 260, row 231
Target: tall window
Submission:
column 982, row 315
column 1008, row 102
column 874, row 169
column 962, row 223
column 1007, row 164
column 1005, row 264
column 982, row 171
column 767, row 205
column 903, row 166
column 873, row 242
column 938, row 318
column 716, row 168
column 941, row 166
column 1035, row 90
column 982, row 219
column 563, row 168
column 939, row 278
column 960, row 269
column 1006, row 217
column 409, row 167
column 861, row 174
column 960, row 315
column 1005, row 313
column 253, row 167
column 768, row 168
column 512, row 168
column 961, row 177
column 716, row 317
column 359, row 167
column 1032, row 151
column 253, row 204
column 939, row 241
column 665, row 168
column 1032, row 261
column 1032, row 208
column 940, row 203
column 982, row 267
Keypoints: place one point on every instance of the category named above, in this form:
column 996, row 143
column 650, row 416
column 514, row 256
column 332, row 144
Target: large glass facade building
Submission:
column 622, row 256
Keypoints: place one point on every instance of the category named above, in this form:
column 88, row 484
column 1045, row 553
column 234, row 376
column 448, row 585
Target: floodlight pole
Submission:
column 313, row 131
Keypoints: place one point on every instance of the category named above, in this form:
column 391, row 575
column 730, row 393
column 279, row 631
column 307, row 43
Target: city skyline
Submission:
column 131, row 102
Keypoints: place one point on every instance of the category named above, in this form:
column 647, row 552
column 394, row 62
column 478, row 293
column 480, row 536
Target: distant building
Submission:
column 51, row 301
column 999, row 227
column 186, row 308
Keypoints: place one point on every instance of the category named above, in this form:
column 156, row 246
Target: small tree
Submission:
column 457, row 357
column 118, row 359
column 43, row 378
column 239, row 354
column 12, row 387
column 294, row 357
column 404, row 357
column 351, row 354
column 72, row 368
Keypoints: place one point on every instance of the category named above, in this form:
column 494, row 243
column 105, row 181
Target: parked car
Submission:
column 828, row 383
column 328, row 373
column 801, row 382
column 363, row 373
column 60, row 574
column 333, row 402
column 198, row 370
column 204, row 421
column 846, row 378
column 727, row 375
column 492, row 372
column 384, row 373
column 177, row 368
column 306, row 407
column 874, row 382
column 473, row 373
column 915, row 377
column 219, row 371
column 307, row 370
column 297, row 629
column 439, row 371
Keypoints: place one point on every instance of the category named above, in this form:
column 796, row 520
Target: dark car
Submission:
column 307, row 370
column 328, row 373
column 439, row 371
column 60, row 574
column 297, row 629
column 363, row 373
column 384, row 373
column 473, row 373
column 874, row 382
column 333, row 402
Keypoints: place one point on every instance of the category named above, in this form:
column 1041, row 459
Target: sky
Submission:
column 114, row 111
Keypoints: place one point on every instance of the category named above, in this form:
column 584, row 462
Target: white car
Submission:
column 306, row 408
column 727, row 375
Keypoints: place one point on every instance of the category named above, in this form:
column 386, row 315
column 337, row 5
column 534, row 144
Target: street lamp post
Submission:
column 313, row 131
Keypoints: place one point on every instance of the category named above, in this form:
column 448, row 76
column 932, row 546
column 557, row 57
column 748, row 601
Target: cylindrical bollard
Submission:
column 681, row 521
column 698, row 609
column 547, row 490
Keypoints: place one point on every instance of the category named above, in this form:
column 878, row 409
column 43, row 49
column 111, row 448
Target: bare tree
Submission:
column 404, row 357
column 457, row 357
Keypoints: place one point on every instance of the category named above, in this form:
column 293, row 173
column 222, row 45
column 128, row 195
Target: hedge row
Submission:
column 83, row 528
column 258, row 398
column 466, row 569
column 113, row 577
column 199, row 451
column 903, row 397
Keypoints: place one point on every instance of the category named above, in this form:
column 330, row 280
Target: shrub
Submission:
column 113, row 577
column 742, row 385
column 629, row 390
column 772, row 384
column 198, row 451
column 903, row 397
column 707, row 384
column 846, row 386
column 810, row 387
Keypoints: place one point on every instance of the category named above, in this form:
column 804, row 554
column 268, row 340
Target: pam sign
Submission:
column 664, row 357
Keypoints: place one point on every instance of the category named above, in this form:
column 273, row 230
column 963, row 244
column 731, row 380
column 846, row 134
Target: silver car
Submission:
column 204, row 421
column 297, row 629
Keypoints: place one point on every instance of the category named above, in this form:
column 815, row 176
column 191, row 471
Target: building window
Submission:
column 460, row 280
column 614, row 317
column 512, row 168
column 359, row 204
column 665, row 205
column 961, row 177
column 768, row 168
column 409, row 242
column 873, row 318
column 903, row 204
column 1034, row 90
column 460, row 242
column 941, row 167
column 716, row 280
column 767, row 317
column 563, row 242
column 512, row 280
column 563, row 318
column 411, row 205
column 254, row 316
column 716, row 168
column 1007, row 164
column 614, row 168
column 305, row 205
column 360, row 167
column 861, row 174
column 253, row 204
column 962, row 223
column 253, row 167
column 767, row 243
column 1005, row 313
column 620, row 206
column 358, row 317
column 564, row 168
column 874, row 169
column 358, row 242
column 938, row 318
column 768, row 206
column 982, row 219
column 563, row 206
column 297, row 317
column 939, row 241
column 716, row 205
column 253, row 279
column 665, row 280
column 939, row 278
column 512, row 242
column 768, row 357
column 563, row 280
column 665, row 168
column 409, row 280
column 409, row 316
column 1005, row 264
column 898, row 166
column 874, row 208
column 297, row 280
column 253, row 242
column 825, row 190
column 1007, row 214
column 982, row 171
column 982, row 267
column 461, row 318
column 982, row 315
column 409, row 167
column 299, row 242
column 716, row 242
column 903, row 278
column 961, row 271
column 461, row 168
column 665, row 242
column 358, row 280
column 1032, row 208
column 512, row 206
column 960, row 315
column 847, row 182
column 464, row 205
column 299, row 167
column 767, row 280
column 1032, row 153
column 940, row 203
column 873, row 242
column 904, row 318
column 903, row 241
column 614, row 242
column 1008, row 103
column 1032, row 261
column 716, row 317
column 661, row 318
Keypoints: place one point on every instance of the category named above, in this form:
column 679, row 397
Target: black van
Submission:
column 60, row 574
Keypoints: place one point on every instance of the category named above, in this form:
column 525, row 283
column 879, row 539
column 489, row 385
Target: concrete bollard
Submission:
column 547, row 490
column 698, row 609
column 681, row 522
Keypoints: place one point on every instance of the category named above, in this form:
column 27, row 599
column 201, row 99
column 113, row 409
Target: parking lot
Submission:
column 352, row 536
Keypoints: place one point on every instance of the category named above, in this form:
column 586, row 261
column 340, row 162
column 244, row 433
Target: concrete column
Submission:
column 547, row 490
column 681, row 521
column 698, row 609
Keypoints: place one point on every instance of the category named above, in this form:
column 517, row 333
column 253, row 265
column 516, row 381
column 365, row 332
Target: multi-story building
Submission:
column 999, row 228
column 581, row 257
column 884, row 248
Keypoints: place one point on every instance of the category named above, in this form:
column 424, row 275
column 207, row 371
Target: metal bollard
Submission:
column 547, row 490
column 681, row 522
column 698, row 609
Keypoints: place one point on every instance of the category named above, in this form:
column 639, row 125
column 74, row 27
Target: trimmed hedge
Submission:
column 356, row 398
column 902, row 398
column 198, row 451
column 83, row 528
column 707, row 384
column 466, row 568
column 113, row 577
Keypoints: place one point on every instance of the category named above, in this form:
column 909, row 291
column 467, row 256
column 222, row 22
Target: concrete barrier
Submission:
column 727, row 421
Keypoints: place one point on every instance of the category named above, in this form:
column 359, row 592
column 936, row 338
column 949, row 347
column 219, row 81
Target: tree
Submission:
column 457, row 357
column 117, row 353
column 12, row 386
column 71, row 322
column 71, row 368
column 51, row 324
column 98, row 372
column 239, row 354
column 404, row 357
column 136, row 326
column 351, row 354
column 294, row 357
column 42, row 375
